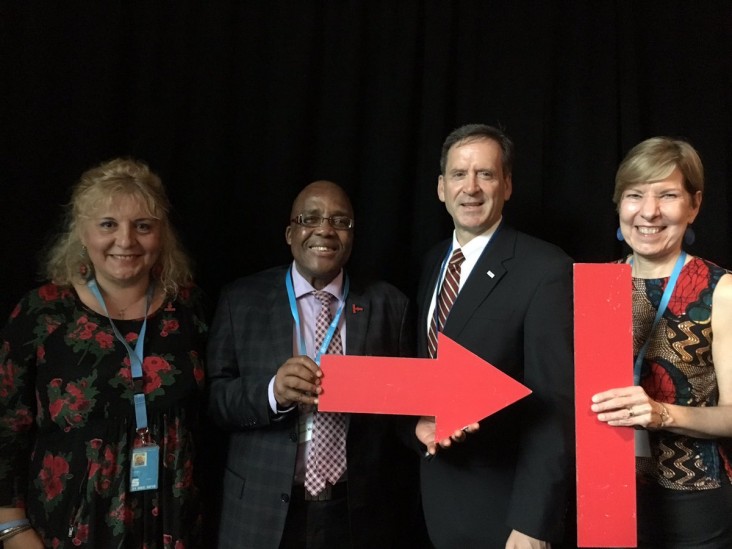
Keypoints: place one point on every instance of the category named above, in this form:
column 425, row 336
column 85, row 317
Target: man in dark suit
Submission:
column 264, row 387
column 506, row 483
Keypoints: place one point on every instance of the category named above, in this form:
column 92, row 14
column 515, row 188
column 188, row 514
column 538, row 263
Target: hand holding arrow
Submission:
column 458, row 387
column 426, row 434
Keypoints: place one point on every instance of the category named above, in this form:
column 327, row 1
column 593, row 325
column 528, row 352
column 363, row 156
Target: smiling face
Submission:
column 123, row 241
column 654, row 216
column 474, row 187
column 320, row 252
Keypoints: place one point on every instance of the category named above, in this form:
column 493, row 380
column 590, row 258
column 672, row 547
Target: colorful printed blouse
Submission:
column 679, row 369
column 67, row 422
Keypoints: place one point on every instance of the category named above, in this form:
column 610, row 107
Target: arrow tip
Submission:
column 472, row 388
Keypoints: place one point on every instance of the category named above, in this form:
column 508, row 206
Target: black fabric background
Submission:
column 239, row 104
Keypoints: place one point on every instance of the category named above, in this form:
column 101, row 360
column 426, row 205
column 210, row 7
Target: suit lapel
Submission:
column 426, row 290
column 483, row 279
column 357, row 313
column 281, row 322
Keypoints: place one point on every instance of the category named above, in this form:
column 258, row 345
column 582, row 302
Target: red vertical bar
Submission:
column 603, row 352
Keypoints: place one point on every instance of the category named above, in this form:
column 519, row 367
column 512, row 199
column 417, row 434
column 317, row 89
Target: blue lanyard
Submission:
column 296, row 316
column 443, row 269
column 136, row 356
column 665, row 298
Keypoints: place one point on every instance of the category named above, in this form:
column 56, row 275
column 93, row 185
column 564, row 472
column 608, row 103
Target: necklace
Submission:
column 122, row 311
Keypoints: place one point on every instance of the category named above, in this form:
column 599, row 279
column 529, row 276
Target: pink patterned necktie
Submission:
column 448, row 294
column 326, row 459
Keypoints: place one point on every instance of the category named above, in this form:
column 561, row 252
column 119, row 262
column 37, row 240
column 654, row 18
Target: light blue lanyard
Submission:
column 665, row 298
column 136, row 356
column 443, row 271
column 296, row 316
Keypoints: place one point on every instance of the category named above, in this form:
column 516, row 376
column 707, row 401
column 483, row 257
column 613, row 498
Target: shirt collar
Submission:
column 477, row 244
column 302, row 287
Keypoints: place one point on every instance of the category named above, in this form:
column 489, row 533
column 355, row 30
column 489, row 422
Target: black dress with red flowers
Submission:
column 67, row 422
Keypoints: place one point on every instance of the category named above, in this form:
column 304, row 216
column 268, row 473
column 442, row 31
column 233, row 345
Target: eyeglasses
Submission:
column 338, row 222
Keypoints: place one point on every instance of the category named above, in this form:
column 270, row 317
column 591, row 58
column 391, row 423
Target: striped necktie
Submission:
column 448, row 294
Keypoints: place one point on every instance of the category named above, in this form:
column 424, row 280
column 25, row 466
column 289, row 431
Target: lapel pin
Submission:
column 356, row 309
column 490, row 274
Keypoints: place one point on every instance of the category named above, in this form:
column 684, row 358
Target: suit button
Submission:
column 293, row 437
column 285, row 498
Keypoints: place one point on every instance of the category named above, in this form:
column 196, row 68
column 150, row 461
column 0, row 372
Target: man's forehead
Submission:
column 318, row 199
column 473, row 140
column 453, row 154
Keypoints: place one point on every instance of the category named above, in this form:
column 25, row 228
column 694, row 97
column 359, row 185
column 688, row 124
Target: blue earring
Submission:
column 619, row 235
column 689, row 236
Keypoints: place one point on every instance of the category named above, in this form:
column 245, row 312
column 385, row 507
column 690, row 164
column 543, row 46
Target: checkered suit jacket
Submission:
column 251, row 338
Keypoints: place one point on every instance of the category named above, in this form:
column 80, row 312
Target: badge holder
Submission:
column 144, row 463
column 145, row 458
column 642, row 444
column 305, row 421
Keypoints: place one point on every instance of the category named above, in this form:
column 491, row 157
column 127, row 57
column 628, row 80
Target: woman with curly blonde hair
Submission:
column 101, row 370
column 67, row 260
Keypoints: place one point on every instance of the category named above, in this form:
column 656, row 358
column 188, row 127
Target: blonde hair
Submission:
column 654, row 159
column 66, row 260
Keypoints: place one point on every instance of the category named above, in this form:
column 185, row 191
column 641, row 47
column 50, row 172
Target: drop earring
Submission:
column 689, row 236
column 83, row 267
column 619, row 235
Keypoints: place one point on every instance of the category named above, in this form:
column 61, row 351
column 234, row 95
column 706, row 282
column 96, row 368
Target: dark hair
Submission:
column 476, row 132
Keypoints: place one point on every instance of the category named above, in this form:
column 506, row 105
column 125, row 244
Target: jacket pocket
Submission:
column 233, row 484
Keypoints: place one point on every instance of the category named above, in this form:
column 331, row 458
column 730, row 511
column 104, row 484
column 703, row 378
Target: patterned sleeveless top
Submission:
column 679, row 369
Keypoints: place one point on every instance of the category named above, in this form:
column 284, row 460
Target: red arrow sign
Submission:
column 603, row 357
column 458, row 387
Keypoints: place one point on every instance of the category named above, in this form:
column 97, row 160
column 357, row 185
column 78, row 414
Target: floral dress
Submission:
column 67, row 421
column 679, row 369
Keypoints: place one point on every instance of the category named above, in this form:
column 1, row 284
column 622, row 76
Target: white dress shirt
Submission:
column 308, row 307
column 472, row 252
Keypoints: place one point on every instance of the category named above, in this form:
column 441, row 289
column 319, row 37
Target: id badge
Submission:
column 306, row 427
column 642, row 444
column 144, row 468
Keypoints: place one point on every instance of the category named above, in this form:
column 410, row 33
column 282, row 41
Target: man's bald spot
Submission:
column 319, row 187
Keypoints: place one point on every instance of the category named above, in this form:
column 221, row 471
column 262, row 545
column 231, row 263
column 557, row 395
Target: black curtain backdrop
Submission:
column 239, row 104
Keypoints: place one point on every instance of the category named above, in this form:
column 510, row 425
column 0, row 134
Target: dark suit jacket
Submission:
column 515, row 471
column 251, row 338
